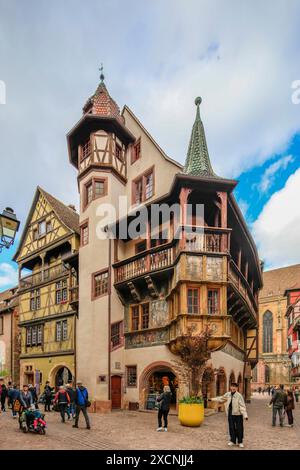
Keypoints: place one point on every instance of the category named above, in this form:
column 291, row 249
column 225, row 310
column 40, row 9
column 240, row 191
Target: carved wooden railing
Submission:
column 45, row 275
column 205, row 240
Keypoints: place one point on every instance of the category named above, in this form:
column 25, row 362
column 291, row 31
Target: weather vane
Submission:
column 101, row 74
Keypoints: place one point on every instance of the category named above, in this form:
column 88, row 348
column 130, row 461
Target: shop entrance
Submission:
column 156, row 383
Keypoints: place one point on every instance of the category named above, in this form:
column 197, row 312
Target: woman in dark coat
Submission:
column 164, row 401
column 3, row 397
column 289, row 407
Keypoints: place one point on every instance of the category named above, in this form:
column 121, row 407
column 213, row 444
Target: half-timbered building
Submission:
column 138, row 294
column 47, row 258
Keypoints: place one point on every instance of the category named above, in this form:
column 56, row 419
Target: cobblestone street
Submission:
column 136, row 430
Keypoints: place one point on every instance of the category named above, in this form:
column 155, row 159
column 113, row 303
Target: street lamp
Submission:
column 9, row 225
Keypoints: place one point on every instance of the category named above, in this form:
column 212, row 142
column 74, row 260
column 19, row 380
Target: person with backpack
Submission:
column 62, row 399
column 13, row 395
column 48, row 396
column 82, row 403
column 289, row 406
column 72, row 394
column 164, row 401
column 277, row 403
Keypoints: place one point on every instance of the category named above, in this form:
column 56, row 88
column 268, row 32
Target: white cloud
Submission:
column 277, row 228
column 8, row 275
column 273, row 171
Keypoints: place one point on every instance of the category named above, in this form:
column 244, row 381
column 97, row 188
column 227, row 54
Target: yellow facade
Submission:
column 47, row 318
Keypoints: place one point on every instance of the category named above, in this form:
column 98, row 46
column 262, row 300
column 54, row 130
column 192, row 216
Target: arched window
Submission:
column 268, row 332
column 267, row 374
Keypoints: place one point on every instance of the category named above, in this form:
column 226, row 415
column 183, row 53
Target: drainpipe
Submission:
column 109, row 317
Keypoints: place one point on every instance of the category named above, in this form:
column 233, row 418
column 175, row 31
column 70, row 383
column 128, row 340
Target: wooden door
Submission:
column 116, row 392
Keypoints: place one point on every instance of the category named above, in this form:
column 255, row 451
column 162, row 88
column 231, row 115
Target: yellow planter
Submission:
column 191, row 414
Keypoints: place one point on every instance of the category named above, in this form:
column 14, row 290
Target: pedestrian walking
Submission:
column 164, row 401
column 32, row 390
column 297, row 393
column 277, row 403
column 259, row 390
column 82, row 403
column 289, row 407
column 236, row 412
column 71, row 411
column 3, row 396
column 62, row 399
column 48, row 396
column 13, row 395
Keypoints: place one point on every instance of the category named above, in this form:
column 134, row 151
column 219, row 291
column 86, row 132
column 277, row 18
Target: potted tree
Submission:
column 193, row 352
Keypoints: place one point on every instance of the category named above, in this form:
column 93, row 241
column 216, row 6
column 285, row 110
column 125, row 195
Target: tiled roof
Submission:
column 276, row 281
column 102, row 104
column 197, row 160
column 68, row 216
column 8, row 299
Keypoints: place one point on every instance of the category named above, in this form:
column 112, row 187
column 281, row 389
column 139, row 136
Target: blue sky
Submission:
column 241, row 57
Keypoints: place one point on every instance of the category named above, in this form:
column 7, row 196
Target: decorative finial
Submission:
column 101, row 74
column 198, row 101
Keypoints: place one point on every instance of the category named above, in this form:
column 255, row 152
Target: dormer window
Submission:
column 136, row 151
column 85, row 149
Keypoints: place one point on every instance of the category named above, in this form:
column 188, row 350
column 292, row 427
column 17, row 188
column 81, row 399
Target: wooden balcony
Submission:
column 43, row 276
column 242, row 286
column 211, row 240
column 220, row 324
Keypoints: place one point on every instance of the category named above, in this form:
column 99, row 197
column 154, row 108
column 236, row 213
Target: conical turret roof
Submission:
column 197, row 160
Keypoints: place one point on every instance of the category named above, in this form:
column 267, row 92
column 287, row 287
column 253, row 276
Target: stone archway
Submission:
column 221, row 382
column 150, row 382
column 60, row 375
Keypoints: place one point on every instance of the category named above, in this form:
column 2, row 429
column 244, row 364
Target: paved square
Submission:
column 136, row 430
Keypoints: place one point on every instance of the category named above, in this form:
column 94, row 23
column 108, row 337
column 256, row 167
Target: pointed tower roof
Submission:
column 197, row 160
column 101, row 103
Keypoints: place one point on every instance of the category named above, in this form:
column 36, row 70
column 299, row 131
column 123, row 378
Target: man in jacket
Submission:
column 26, row 397
column 48, row 396
column 72, row 395
column 236, row 411
column 13, row 395
column 81, row 401
column 278, row 401
column 62, row 399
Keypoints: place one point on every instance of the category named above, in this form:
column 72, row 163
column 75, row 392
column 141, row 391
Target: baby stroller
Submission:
column 32, row 420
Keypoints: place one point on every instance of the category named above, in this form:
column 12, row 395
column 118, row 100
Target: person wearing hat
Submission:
column 236, row 411
column 82, row 403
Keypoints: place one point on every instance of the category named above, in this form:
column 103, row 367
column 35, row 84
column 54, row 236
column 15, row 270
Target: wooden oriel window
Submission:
column 193, row 300
column 85, row 149
column 116, row 334
column 136, row 151
column 143, row 187
column 131, row 376
column 93, row 189
column 135, row 317
column 84, row 233
column 35, row 299
column 99, row 283
column 61, row 291
column 140, row 316
column 145, row 316
column 213, row 301
column 1, row 325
